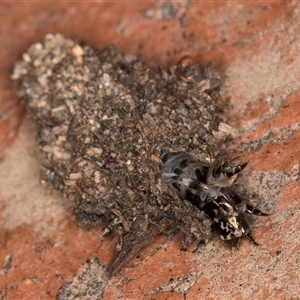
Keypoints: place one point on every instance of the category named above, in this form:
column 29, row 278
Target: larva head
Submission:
column 231, row 227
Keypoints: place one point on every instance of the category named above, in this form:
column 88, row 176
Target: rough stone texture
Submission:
column 256, row 46
column 88, row 285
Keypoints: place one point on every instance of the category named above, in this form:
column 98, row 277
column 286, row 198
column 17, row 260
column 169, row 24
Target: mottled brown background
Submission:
column 256, row 47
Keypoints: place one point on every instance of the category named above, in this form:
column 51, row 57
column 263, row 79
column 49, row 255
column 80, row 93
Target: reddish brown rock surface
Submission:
column 256, row 46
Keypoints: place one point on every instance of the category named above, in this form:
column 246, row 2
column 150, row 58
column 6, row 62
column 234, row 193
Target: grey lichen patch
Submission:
column 102, row 118
column 27, row 203
column 7, row 264
column 88, row 285
column 180, row 286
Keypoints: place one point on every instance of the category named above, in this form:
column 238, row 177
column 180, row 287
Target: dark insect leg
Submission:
column 254, row 211
column 251, row 239
column 233, row 166
column 244, row 206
